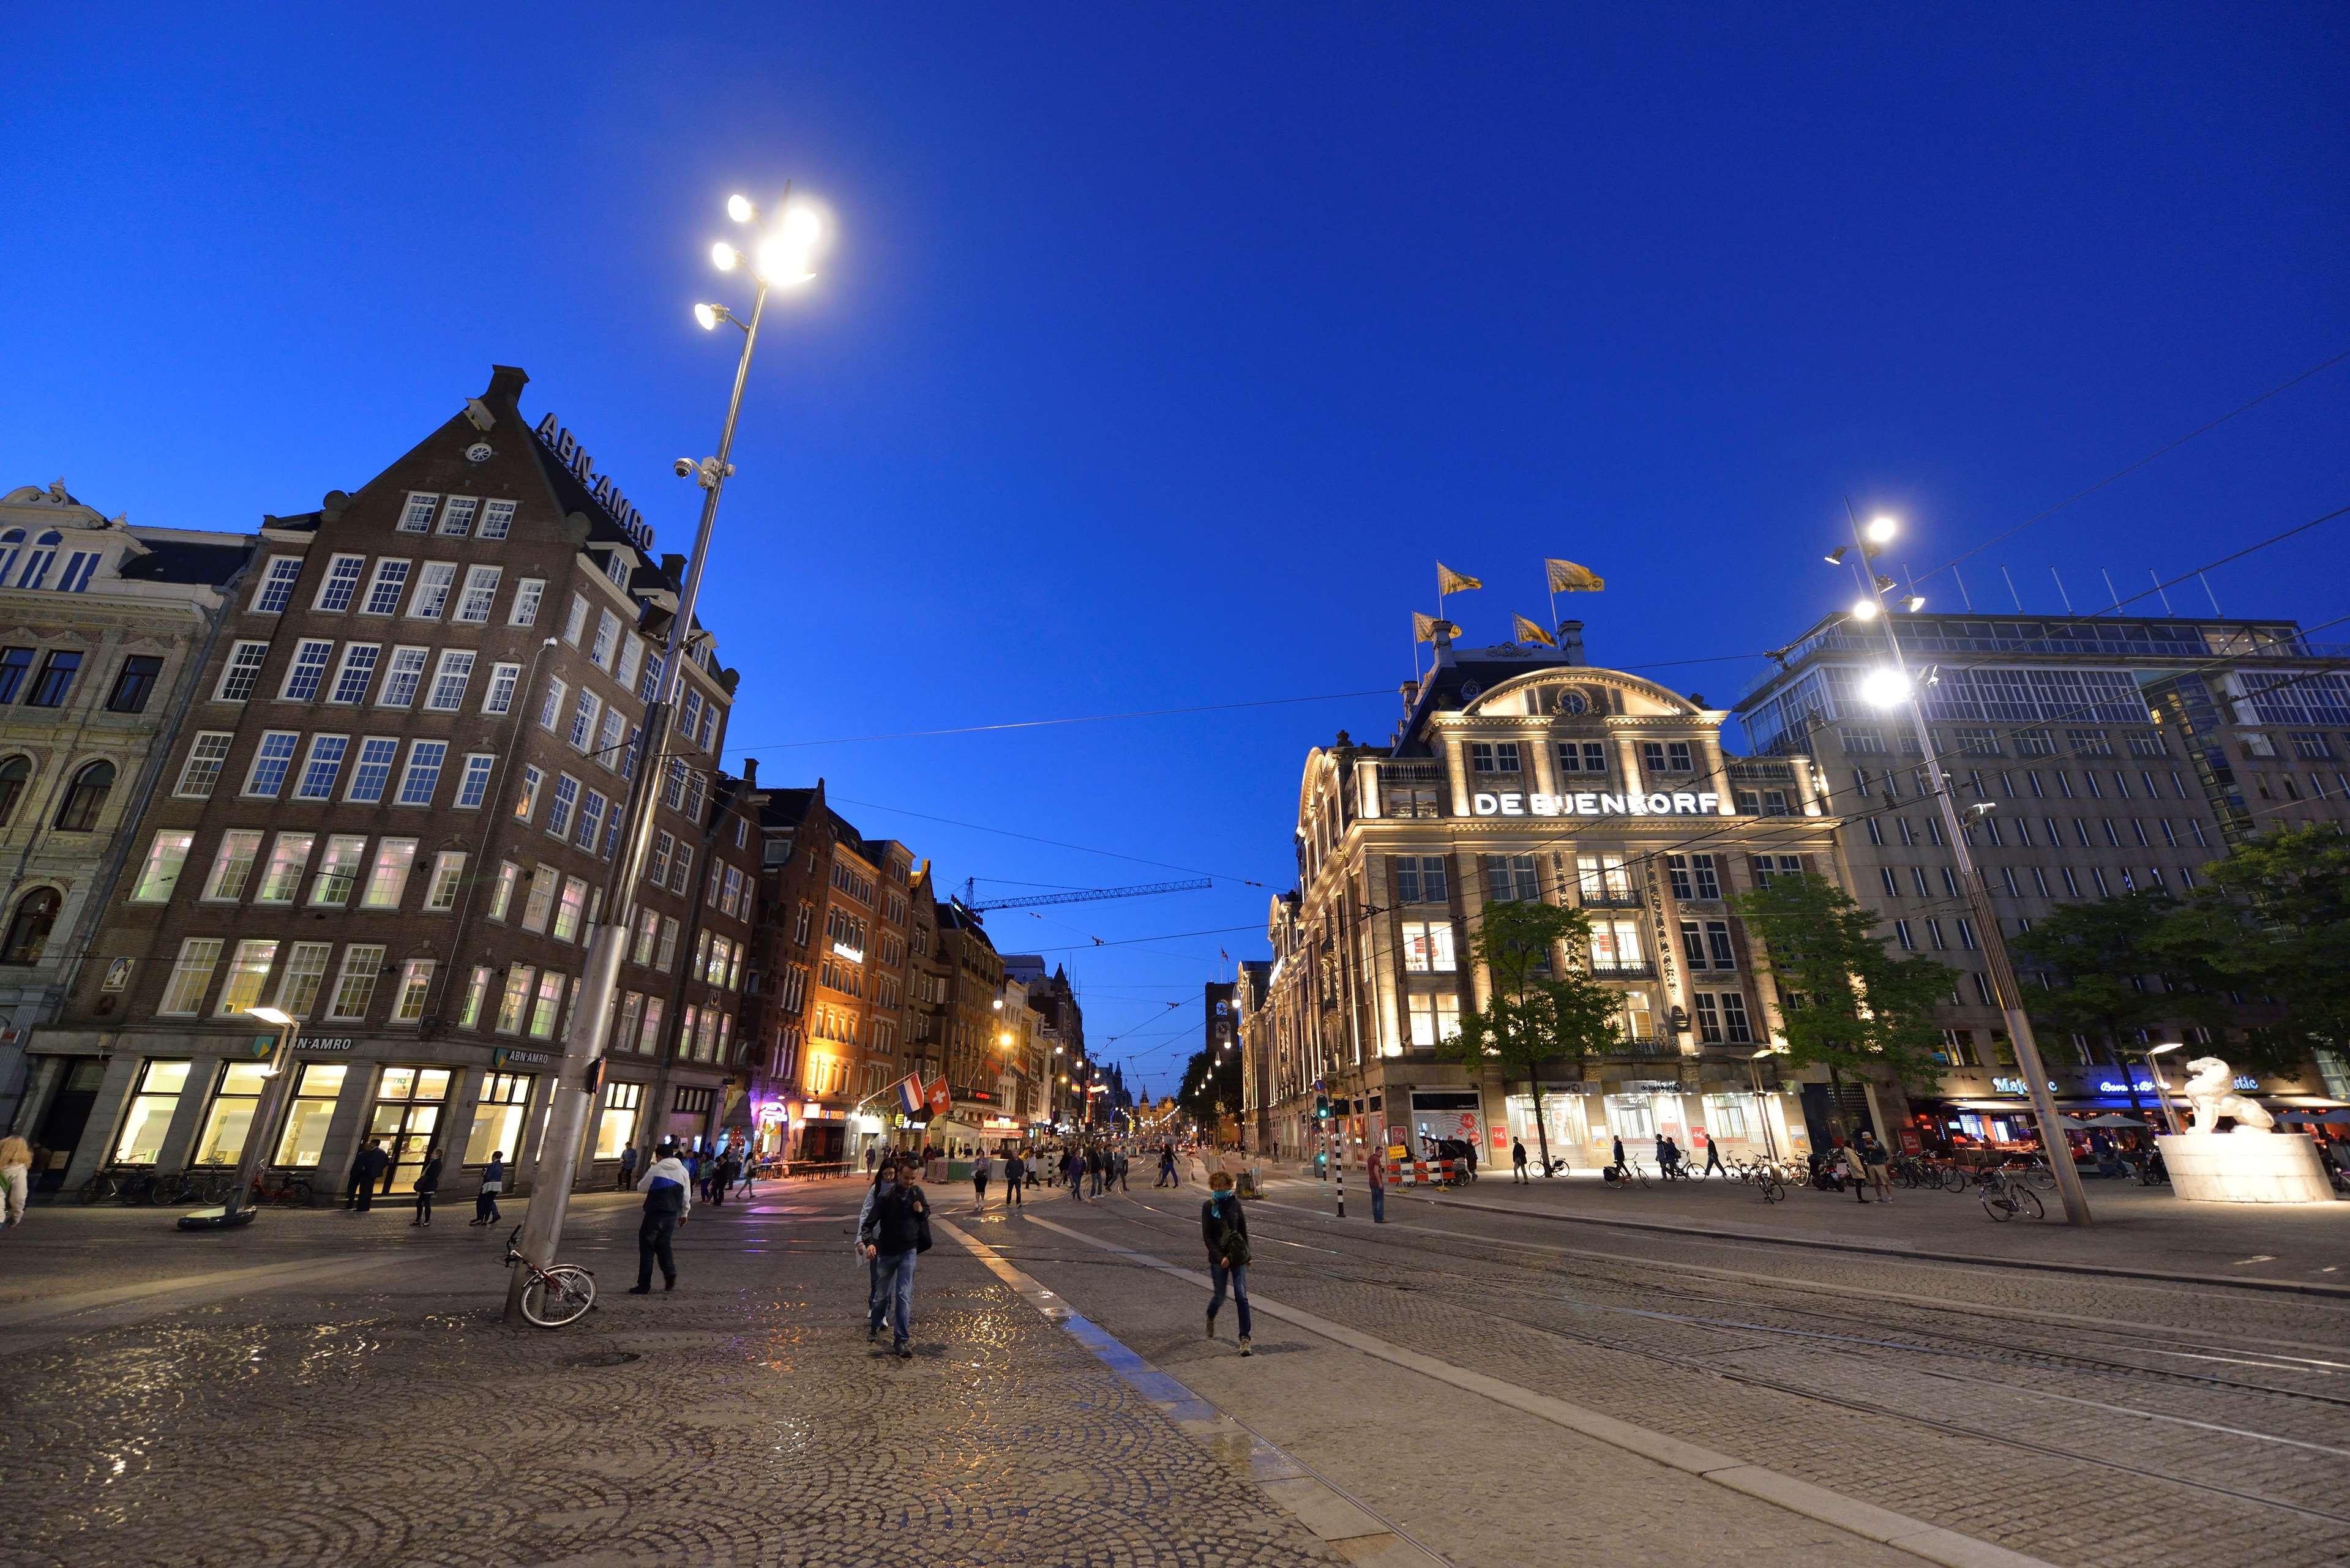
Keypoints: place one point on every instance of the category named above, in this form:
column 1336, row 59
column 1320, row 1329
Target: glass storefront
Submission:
column 140, row 1141
column 229, row 1121
column 1583, row 1126
column 317, row 1086
column 407, row 1117
column 498, row 1117
column 1566, row 1119
column 618, row 1125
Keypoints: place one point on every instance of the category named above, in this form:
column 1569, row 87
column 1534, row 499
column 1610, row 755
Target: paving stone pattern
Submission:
column 397, row 1423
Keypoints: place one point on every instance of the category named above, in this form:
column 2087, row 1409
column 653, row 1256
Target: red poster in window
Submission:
column 1910, row 1142
column 1500, row 1135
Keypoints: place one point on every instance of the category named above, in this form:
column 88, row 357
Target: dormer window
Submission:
column 616, row 567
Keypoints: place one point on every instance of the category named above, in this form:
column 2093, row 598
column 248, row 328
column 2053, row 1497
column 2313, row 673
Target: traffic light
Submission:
column 1321, row 1108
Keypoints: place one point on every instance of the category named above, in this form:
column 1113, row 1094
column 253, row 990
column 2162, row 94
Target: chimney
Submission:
column 1570, row 641
column 750, row 775
column 506, row 382
column 673, row 567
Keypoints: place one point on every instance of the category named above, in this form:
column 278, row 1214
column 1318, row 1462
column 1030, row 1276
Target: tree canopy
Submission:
column 1844, row 1002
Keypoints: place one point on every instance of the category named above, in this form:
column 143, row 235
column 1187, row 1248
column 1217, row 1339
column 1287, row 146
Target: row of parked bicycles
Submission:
column 199, row 1188
column 2006, row 1190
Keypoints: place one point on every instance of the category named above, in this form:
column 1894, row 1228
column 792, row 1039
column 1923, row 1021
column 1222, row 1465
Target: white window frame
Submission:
column 478, row 596
column 460, row 510
column 328, row 582
column 430, row 595
column 529, row 594
column 277, row 579
column 359, row 764
column 237, row 661
column 343, row 671
column 416, row 515
column 215, row 752
column 391, row 668
column 300, row 663
column 456, row 664
column 480, row 768
column 391, row 578
column 252, row 768
column 505, row 679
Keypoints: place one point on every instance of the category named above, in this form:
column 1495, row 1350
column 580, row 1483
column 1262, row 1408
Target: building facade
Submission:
column 106, row 625
column 391, row 812
column 1524, row 772
column 2101, row 756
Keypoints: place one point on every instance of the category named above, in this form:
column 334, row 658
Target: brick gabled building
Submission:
column 391, row 812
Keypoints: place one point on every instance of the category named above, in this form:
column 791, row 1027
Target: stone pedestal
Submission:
column 2245, row 1167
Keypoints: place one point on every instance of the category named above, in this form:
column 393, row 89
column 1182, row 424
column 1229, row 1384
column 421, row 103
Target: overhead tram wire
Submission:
column 2124, row 472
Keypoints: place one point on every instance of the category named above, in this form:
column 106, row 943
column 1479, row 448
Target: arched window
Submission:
column 86, row 798
column 15, row 774
column 12, row 545
column 36, row 566
column 28, row 929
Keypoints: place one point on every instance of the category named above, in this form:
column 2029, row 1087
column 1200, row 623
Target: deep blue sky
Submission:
column 1164, row 347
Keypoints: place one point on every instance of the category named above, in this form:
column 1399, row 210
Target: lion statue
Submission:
column 2212, row 1090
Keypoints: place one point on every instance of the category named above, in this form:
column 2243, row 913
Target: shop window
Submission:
column 616, row 1127
column 28, row 928
column 407, row 1117
column 498, row 1117
column 229, row 1122
column 140, row 1141
column 1433, row 1016
column 304, row 1142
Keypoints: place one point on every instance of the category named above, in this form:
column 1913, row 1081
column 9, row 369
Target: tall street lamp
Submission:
column 260, row 1133
column 783, row 256
column 1890, row 686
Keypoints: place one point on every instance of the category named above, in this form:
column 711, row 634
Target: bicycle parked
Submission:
column 2005, row 1196
column 553, row 1297
column 132, row 1187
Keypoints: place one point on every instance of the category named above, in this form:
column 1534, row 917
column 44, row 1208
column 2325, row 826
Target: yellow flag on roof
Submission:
column 1566, row 577
column 1448, row 581
column 1424, row 627
column 1527, row 631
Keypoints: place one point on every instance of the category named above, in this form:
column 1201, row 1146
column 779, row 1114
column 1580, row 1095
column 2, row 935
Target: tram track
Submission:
column 1478, row 1297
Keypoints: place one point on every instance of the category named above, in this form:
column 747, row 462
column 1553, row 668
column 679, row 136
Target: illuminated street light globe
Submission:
column 1883, row 688
column 1881, row 529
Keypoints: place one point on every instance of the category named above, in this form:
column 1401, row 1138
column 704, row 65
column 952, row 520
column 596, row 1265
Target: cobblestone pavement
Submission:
column 390, row 1419
column 2077, row 1419
column 2136, row 1228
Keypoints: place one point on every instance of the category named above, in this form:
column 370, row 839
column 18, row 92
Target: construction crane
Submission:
column 1082, row 896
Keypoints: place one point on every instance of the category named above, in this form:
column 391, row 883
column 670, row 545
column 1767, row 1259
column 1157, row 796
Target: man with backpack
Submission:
column 1224, row 1227
column 668, row 1187
column 896, row 1229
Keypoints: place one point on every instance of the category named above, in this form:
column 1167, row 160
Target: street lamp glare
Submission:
column 707, row 315
column 1881, row 529
column 724, row 256
column 1883, row 688
column 270, row 1015
column 1914, row 603
column 1864, row 609
column 2173, row 1045
column 739, row 208
column 785, row 258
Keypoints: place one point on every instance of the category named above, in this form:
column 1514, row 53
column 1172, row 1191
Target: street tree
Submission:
column 2274, row 921
column 1211, row 1086
column 1544, row 1007
column 1844, row 1002
column 2095, row 960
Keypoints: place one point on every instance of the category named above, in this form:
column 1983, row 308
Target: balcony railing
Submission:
column 1595, row 898
column 1648, row 1045
column 1624, row 971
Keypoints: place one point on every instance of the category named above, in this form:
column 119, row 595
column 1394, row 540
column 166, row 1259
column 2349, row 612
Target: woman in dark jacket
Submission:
column 428, row 1182
column 1224, row 1228
column 493, row 1182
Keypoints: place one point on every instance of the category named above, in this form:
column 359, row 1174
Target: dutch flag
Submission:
column 909, row 1093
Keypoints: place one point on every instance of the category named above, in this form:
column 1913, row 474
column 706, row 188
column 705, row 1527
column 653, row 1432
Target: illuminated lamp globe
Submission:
column 707, row 315
column 725, row 256
column 1883, row 688
column 1881, row 529
column 1864, row 609
column 739, row 208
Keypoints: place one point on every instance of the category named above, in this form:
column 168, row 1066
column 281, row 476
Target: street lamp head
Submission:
column 709, row 316
column 270, row 1015
column 1880, row 530
column 2173, row 1045
column 1835, row 557
column 739, row 208
column 1883, row 688
column 1914, row 603
column 1864, row 609
column 724, row 258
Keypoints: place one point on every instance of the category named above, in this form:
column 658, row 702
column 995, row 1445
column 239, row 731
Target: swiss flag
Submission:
column 941, row 1100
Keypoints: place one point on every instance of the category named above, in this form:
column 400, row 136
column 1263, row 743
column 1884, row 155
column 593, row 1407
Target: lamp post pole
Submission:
column 1986, row 919
column 581, row 1072
column 264, row 1130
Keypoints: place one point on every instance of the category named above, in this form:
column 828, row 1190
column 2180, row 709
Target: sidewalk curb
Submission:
column 1932, row 1542
column 1901, row 1254
column 1344, row 1523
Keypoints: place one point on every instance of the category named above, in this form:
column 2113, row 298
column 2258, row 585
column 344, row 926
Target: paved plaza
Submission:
column 1464, row 1386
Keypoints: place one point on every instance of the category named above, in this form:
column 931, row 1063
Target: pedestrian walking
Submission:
column 1073, row 1169
column 1518, row 1159
column 1852, row 1170
column 1622, row 1170
column 1377, row 1167
column 366, row 1170
column 982, row 1169
column 721, row 1177
column 668, row 1187
column 1094, row 1169
column 15, row 1180
column 493, row 1182
column 1166, row 1173
column 1121, row 1159
column 1713, row 1160
column 358, row 1180
column 872, row 1153
column 1224, row 1227
column 750, row 1169
column 1015, row 1176
column 895, row 1230
column 628, row 1177
column 428, row 1182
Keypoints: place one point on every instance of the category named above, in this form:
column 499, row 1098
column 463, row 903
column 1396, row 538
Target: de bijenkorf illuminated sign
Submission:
column 1702, row 804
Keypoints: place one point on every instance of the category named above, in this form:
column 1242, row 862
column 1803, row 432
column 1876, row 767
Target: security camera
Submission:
column 684, row 467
